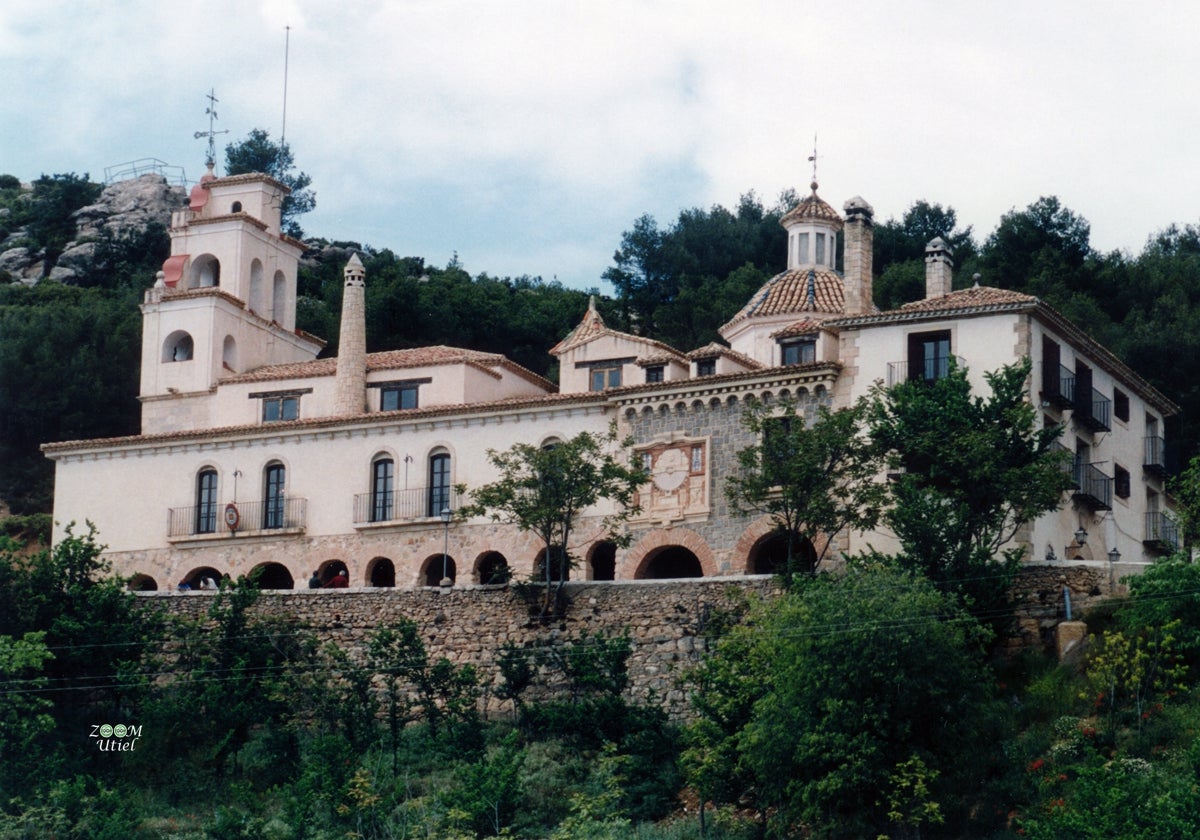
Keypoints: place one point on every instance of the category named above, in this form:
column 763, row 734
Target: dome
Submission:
column 812, row 208
column 794, row 292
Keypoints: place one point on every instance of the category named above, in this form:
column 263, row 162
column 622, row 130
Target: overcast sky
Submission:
column 527, row 136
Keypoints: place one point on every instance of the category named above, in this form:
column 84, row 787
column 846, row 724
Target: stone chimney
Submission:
column 350, row 383
column 939, row 268
column 857, row 263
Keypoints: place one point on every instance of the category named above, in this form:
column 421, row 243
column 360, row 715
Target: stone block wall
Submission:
column 665, row 620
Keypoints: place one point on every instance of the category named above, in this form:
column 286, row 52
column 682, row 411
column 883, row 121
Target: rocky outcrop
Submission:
column 123, row 208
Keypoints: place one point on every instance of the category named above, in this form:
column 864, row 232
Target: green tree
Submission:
column 813, row 480
column 543, row 490
column 259, row 153
column 48, row 218
column 899, row 251
column 974, row 469
column 866, row 706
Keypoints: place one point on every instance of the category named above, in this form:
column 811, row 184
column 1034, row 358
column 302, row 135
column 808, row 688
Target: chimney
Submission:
column 350, row 383
column 857, row 263
column 939, row 268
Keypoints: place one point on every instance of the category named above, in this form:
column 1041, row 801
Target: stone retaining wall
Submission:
column 665, row 620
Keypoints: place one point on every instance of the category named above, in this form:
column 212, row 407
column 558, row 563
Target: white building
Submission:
column 255, row 454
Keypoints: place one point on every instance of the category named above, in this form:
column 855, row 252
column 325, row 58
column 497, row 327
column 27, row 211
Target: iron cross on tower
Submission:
column 211, row 134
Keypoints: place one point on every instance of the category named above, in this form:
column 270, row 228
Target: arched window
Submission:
column 274, row 478
column 439, row 483
column 206, row 502
column 383, row 476
column 229, row 354
column 255, row 298
column 279, row 298
column 206, row 271
column 178, row 347
column 236, row 207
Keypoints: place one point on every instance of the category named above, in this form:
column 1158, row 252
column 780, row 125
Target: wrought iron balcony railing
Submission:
column 1162, row 534
column 929, row 370
column 403, row 505
column 1094, row 411
column 1094, row 488
column 1058, row 385
column 1155, row 460
column 283, row 514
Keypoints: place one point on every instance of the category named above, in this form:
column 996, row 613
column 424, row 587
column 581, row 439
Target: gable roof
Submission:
column 593, row 327
column 395, row 360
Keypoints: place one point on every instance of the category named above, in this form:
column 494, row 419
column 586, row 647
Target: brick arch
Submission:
column 639, row 556
column 755, row 533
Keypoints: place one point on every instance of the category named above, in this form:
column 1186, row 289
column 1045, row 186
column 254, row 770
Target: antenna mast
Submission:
column 287, row 38
column 211, row 134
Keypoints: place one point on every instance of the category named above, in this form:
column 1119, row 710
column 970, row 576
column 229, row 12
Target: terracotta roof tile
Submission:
column 812, row 207
column 592, row 327
column 713, row 350
column 796, row 290
column 392, row 360
column 801, row 327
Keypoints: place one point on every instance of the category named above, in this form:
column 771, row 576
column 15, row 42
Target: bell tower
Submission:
column 224, row 302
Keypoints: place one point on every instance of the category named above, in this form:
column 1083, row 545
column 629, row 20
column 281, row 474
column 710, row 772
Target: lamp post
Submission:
column 446, row 582
column 1114, row 557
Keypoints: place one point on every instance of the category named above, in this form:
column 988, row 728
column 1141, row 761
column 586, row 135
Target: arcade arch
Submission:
column 273, row 576
column 432, row 568
column 492, row 567
column 381, row 573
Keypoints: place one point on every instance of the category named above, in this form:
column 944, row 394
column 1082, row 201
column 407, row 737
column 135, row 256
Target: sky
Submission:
column 526, row 136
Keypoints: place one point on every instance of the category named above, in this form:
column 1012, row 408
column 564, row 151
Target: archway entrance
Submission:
column 557, row 570
column 769, row 555
column 669, row 562
column 604, row 560
column 272, row 576
column 432, row 572
column 194, row 578
column 143, row 583
column 492, row 567
column 381, row 572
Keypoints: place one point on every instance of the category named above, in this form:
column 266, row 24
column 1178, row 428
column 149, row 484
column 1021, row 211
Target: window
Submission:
column 280, row 408
column 206, row 502
column 605, row 377
column 706, row 367
column 439, row 484
column 820, row 260
column 1121, row 482
column 802, row 249
column 1121, row 404
column 236, row 207
column 654, row 373
column 383, row 472
column 928, row 356
column 273, row 485
column 398, row 397
column 799, row 352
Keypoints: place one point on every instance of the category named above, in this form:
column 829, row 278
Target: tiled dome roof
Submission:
column 812, row 207
column 797, row 291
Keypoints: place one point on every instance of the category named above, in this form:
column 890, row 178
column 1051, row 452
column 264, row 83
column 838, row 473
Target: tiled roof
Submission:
column 812, row 207
column 962, row 301
column 796, row 290
column 367, row 418
column 713, row 350
column 592, row 327
column 660, row 359
column 801, row 327
column 392, row 360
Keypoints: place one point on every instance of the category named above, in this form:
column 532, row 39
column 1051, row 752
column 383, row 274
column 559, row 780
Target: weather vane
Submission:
column 211, row 134
column 813, row 160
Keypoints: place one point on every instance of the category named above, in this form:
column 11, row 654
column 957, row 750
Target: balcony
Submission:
column 280, row 516
column 1155, row 460
column 1162, row 534
column 1066, row 464
column 1093, row 487
column 930, row 370
column 389, row 508
column 1058, row 386
column 1093, row 411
